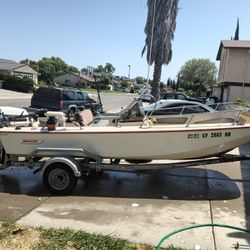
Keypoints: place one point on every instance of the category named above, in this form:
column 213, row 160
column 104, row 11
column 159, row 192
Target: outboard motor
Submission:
column 51, row 123
column 55, row 118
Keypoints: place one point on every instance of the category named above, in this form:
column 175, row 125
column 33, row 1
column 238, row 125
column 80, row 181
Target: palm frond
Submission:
column 163, row 30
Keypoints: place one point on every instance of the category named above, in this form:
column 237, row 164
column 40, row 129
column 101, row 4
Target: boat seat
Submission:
column 84, row 117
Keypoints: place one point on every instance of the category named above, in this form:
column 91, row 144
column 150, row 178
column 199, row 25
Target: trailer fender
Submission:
column 69, row 161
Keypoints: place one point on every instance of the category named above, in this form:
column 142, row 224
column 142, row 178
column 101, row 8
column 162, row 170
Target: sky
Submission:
column 93, row 32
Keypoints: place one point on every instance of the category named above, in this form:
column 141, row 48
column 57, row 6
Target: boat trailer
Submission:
column 61, row 172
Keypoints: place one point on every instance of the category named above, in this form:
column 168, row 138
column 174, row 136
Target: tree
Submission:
column 109, row 68
column 49, row 68
column 159, row 30
column 169, row 82
column 104, row 74
column 197, row 75
column 99, row 69
column 84, row 70
column 52, row 67
column 139, row 80
column 237, row 31
column 73, row 69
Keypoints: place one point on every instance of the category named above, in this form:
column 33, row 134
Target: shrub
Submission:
column 18, row 84
column 41, row 84
column 242, row 101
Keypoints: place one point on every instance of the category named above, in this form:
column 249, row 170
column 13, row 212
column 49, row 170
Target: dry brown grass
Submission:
column 23, row 238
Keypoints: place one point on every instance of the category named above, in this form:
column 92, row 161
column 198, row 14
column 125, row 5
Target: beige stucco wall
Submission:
column 232, row 93
column 239, row 91
column 234, row 65
column 26, row 68
column 69, row 79
column 25, row 71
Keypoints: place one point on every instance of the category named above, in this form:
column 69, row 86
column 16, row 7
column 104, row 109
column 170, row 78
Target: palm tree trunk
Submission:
column 156, row 80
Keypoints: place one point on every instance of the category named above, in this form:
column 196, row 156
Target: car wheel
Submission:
column 71, row 114
column 59, row 179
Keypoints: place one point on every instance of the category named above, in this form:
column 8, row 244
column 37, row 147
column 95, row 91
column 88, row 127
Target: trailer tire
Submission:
column 59, row 179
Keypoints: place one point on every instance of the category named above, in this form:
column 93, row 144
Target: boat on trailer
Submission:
column 71, row 151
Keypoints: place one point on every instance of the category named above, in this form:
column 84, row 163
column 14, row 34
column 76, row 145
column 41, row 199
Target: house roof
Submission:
column 242, row 44
column 10, row 65
column 6, row 64
column 85, row 77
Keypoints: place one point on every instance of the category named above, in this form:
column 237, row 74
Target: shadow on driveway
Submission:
column 171, row 184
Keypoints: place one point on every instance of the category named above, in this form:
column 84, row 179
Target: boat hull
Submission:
column 147, row 143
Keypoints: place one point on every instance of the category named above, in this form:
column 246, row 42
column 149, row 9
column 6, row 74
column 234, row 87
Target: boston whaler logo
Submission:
column 32, row 141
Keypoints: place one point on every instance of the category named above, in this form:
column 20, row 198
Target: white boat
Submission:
column 146, row 142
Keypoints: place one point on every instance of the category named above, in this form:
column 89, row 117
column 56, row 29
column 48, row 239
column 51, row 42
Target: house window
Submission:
column 20, row 74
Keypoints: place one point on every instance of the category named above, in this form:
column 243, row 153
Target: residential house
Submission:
column 234, row 71
column 74, row 80
column 10, row 67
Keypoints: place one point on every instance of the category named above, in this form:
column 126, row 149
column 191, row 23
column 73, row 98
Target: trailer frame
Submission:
column 61, row 171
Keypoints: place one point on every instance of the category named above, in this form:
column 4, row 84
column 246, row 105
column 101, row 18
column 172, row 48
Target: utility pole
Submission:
column 129, row 66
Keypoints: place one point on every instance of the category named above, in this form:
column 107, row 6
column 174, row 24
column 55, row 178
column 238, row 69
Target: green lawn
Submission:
column 13, row 236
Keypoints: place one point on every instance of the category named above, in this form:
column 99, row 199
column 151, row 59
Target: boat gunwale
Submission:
column 137, row 131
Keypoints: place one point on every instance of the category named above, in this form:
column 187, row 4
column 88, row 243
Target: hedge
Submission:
column 17, row 84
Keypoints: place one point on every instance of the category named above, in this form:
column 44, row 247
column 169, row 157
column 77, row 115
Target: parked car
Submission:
column 176, row 107
column 123, row 89
column 66, row 100
column 180, row 96
column 212, row 100
column 145, row 94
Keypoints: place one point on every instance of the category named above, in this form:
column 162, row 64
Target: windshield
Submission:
column 193, row 107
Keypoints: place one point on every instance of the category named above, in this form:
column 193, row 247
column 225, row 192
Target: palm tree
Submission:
column 159, row 30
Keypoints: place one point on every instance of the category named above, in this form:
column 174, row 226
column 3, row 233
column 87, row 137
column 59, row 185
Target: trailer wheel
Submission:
column 59, row 179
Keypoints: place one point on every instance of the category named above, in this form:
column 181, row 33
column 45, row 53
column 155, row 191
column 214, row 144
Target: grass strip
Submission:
column 13, row 236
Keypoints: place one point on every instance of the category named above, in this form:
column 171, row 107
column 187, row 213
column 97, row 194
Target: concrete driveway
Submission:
column 140, row 207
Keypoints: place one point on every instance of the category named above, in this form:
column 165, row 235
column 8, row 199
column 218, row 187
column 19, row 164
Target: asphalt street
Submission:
column 110, row 101
column 141, row 206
